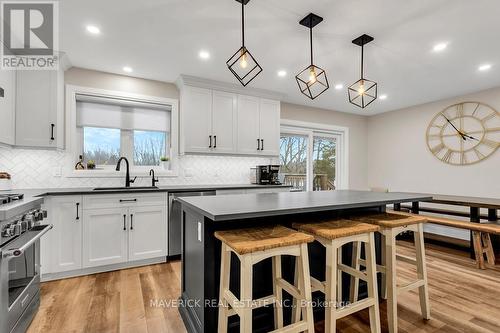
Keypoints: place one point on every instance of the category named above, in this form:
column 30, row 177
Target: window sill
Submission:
column 110, row 173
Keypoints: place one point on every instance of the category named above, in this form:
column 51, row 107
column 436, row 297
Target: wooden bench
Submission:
column 480, row 236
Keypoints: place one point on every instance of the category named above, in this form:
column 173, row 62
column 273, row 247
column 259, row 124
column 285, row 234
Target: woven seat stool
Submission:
column 392, row 224
column 251, row 246
column 333, row 235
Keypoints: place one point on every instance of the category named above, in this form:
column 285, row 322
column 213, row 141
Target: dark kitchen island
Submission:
column 202, row 216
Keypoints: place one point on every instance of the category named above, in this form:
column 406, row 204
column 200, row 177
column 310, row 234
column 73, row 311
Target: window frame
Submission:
column 310, row 130
column 74, row 134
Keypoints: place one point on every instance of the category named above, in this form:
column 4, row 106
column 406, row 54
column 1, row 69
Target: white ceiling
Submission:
column 160, row 39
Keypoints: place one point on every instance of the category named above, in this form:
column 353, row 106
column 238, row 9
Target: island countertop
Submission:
column 231, row 207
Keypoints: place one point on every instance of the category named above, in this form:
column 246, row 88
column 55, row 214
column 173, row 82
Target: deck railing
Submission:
column 298, row 181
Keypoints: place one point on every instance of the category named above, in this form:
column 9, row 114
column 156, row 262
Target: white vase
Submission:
column 165, row 165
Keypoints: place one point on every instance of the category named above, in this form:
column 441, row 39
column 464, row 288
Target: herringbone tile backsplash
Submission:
column 33, row 168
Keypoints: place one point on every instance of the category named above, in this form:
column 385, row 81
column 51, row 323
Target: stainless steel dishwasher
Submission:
column 175, row 219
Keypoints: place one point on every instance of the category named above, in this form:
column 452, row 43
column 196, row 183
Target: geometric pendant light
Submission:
column 242, row 64
column 363, row 92
column 312, row 80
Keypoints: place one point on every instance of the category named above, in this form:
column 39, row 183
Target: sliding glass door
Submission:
column 309, row 159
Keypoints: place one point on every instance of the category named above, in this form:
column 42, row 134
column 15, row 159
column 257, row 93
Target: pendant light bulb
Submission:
column 361, row 89
column 312, row 76
column 243, row 60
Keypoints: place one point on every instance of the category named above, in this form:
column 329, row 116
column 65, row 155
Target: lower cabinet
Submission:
column 99, row 230
column 105, row 234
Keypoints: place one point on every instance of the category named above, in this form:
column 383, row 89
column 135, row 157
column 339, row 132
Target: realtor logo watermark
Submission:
column 30, row 35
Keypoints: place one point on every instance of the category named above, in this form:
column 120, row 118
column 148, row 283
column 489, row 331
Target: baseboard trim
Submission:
column 101, row 269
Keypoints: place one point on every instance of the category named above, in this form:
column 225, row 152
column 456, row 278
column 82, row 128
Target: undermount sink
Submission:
column 126, row 189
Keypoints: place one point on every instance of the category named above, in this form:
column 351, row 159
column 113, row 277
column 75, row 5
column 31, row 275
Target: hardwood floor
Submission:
column 463, row 299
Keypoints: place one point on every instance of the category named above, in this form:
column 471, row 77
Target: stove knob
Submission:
column 24, row 225
column 6, row 231
column 44, row 214
column 16, row 229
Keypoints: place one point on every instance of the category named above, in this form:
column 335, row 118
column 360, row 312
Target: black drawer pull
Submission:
column 124, row 222
column 262, row 144
column 77, row 205
column 128, row 200
column 210, row 145
column 131, row 221
column 215, row 141
column 258, row 144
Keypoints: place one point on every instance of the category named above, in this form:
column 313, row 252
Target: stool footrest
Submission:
column 353, row 272
column 407, row 259
column 301, row 326
column 355, row 307
column 317, row 285
column 236, row 304
column 410, row 286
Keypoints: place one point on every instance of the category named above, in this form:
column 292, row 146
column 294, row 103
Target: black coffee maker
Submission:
column 268, row 175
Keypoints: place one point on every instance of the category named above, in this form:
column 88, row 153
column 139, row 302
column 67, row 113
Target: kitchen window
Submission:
column 313, row 158
column 107, row 125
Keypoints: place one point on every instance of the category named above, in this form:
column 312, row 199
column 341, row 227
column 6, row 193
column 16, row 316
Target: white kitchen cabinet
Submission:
column 269, row 127
column 147, row 232
column 248, row 125
column 40, row 109
column 8, row 106
column 196, row 113
column 65, row 243
column 105, row 236
column 223, row 122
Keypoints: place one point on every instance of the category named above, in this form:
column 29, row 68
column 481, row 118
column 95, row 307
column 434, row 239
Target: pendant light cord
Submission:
column 311, row 43
column 243, row 23
column 362, row 61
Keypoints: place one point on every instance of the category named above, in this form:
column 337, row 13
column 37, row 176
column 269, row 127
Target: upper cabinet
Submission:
column 8, row 106
column 224, row 121
column 40, row 108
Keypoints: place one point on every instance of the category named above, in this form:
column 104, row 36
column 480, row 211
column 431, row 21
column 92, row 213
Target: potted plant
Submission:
column 91, row 165
column 164, row 162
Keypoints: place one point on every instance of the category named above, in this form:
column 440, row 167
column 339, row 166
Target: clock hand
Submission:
column 461, row 134
column 471, row 137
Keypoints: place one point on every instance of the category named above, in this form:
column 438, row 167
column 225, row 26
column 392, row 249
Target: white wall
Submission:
column 398, row 157
column 357, row 136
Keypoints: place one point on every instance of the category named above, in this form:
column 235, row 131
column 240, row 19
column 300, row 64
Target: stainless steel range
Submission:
column 20, row 263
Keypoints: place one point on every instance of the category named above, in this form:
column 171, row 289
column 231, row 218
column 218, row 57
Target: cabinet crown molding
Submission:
column 193, row 81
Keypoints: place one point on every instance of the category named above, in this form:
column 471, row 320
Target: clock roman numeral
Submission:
column 460, row 110
column 463, row 158
column 437, row 149
column 491, row 143
column 475, row 110
column 434, row 136
column 479, row 154
column 494, row 129
column 488, row 117
column 447, row 156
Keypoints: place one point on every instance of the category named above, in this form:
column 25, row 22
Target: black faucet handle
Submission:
column 133, row 180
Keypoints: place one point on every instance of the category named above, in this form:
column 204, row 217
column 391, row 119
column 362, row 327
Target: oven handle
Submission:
column 17, row 252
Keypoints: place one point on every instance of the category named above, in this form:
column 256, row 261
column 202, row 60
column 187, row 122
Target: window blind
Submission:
column 92, row 111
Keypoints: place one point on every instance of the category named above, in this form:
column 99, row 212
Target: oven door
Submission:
column 20, row 278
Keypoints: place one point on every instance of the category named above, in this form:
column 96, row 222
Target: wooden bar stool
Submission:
column 251, row 246
column 333, row 235
column 391, row 225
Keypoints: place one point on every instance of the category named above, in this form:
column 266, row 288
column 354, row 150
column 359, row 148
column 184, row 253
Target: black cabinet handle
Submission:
column 210, row 145
column 128, row 200
column 131, row 221
column 124, row 222
column 262, row 144
column 52, row 132
column 77, row 205
column 258, row 144
column 215, row 141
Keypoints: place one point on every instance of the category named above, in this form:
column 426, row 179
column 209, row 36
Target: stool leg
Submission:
column 390, row 269
column 423, row 291
column 305, row 286
column 278, row 293
column 297, row 310
column 225, row 269
column 246, row 294
column 339, row 276
column 478, row 249
column 383, row 277
column 371, row 272
column 356, row 255
column 330, row 288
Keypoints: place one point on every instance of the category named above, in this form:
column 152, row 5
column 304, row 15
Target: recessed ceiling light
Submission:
column 484, row 67
column 440, row 47
column 205, row 55
column 384, row 96
column 339, row 86
column 128, row 69
column 282, row 73
column 93, row 29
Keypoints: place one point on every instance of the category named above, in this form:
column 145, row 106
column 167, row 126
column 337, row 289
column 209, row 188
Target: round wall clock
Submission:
column 464, row 133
